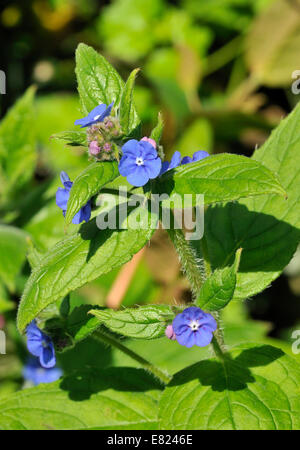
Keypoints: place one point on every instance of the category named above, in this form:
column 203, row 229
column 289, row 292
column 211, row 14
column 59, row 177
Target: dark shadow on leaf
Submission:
column 82, row 384
column 268, row 243
column 232, row 374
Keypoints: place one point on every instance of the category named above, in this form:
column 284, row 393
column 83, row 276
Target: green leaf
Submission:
column 266, row 227
column 81, row 258
column 129, row 119
column 17, row 144
column 113, row 398
column 223, row 177
column 272, row 59
column 218, row 289
column 75, row 138
column 89, row 183
column 255, row 388
column 157, row 132
column 13, row 248
column 144, row 322
column 80, row 324
column 98, row 81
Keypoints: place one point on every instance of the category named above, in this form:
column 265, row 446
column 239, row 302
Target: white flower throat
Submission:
column 194, row 325
column 139, row 161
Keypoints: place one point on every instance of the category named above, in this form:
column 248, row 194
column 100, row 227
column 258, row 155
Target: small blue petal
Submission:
column 186, row 160
column 62, row 197
column 64, row 177
column 139, row 177
column 47, row 357
column 200, row 154
column 97, row 114
column 36, row 374
column 175, row 160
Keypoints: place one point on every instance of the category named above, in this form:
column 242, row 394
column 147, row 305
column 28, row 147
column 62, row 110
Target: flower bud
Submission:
column 94, row 149
column 169, row 332
column 151, row 141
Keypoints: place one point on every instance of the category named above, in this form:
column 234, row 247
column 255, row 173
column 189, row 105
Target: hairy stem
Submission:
column 114, row 342
column 188, row 260
column 205, row 254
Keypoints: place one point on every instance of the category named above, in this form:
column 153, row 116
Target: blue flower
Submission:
column 62, row 197
column 40, row 345
column 197, row 156
column 37, row 374
column 140, row 162
column 97, row 114
column 175, row 162
column 194, row 327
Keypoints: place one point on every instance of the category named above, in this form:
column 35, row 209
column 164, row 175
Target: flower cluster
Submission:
column 192, row 327
column 40, row 345
column 102, row 130
column 100, row 139
column 62, row 197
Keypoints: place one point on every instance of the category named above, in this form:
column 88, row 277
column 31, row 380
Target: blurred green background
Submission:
column 220, row 71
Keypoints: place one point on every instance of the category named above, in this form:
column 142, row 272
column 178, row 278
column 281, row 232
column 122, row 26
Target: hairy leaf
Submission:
column 255, row 388
column 113, row 398
column 144, row 322
column 81, row 258
column 89, row 183
column 266, row 227
column 223, row 177
column 218, row 289
column 129, row 119
column 98, row 81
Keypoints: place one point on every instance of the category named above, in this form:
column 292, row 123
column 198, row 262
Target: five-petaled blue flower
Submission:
column 37, row 374
column 140, row 162
column 97, row 114
column 62, row 197
column 40, row 345
column 197, row 156
column 194, row 327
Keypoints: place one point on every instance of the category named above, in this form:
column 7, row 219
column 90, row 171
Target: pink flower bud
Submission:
column 107, row 147
column 151, row 141
column 169, row 332
column 94, row 148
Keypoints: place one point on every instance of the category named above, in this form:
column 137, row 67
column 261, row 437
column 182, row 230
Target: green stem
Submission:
column 205, row 254
column 217, row 348
column 218, row 343
column 188, row 260
column 114, row 342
